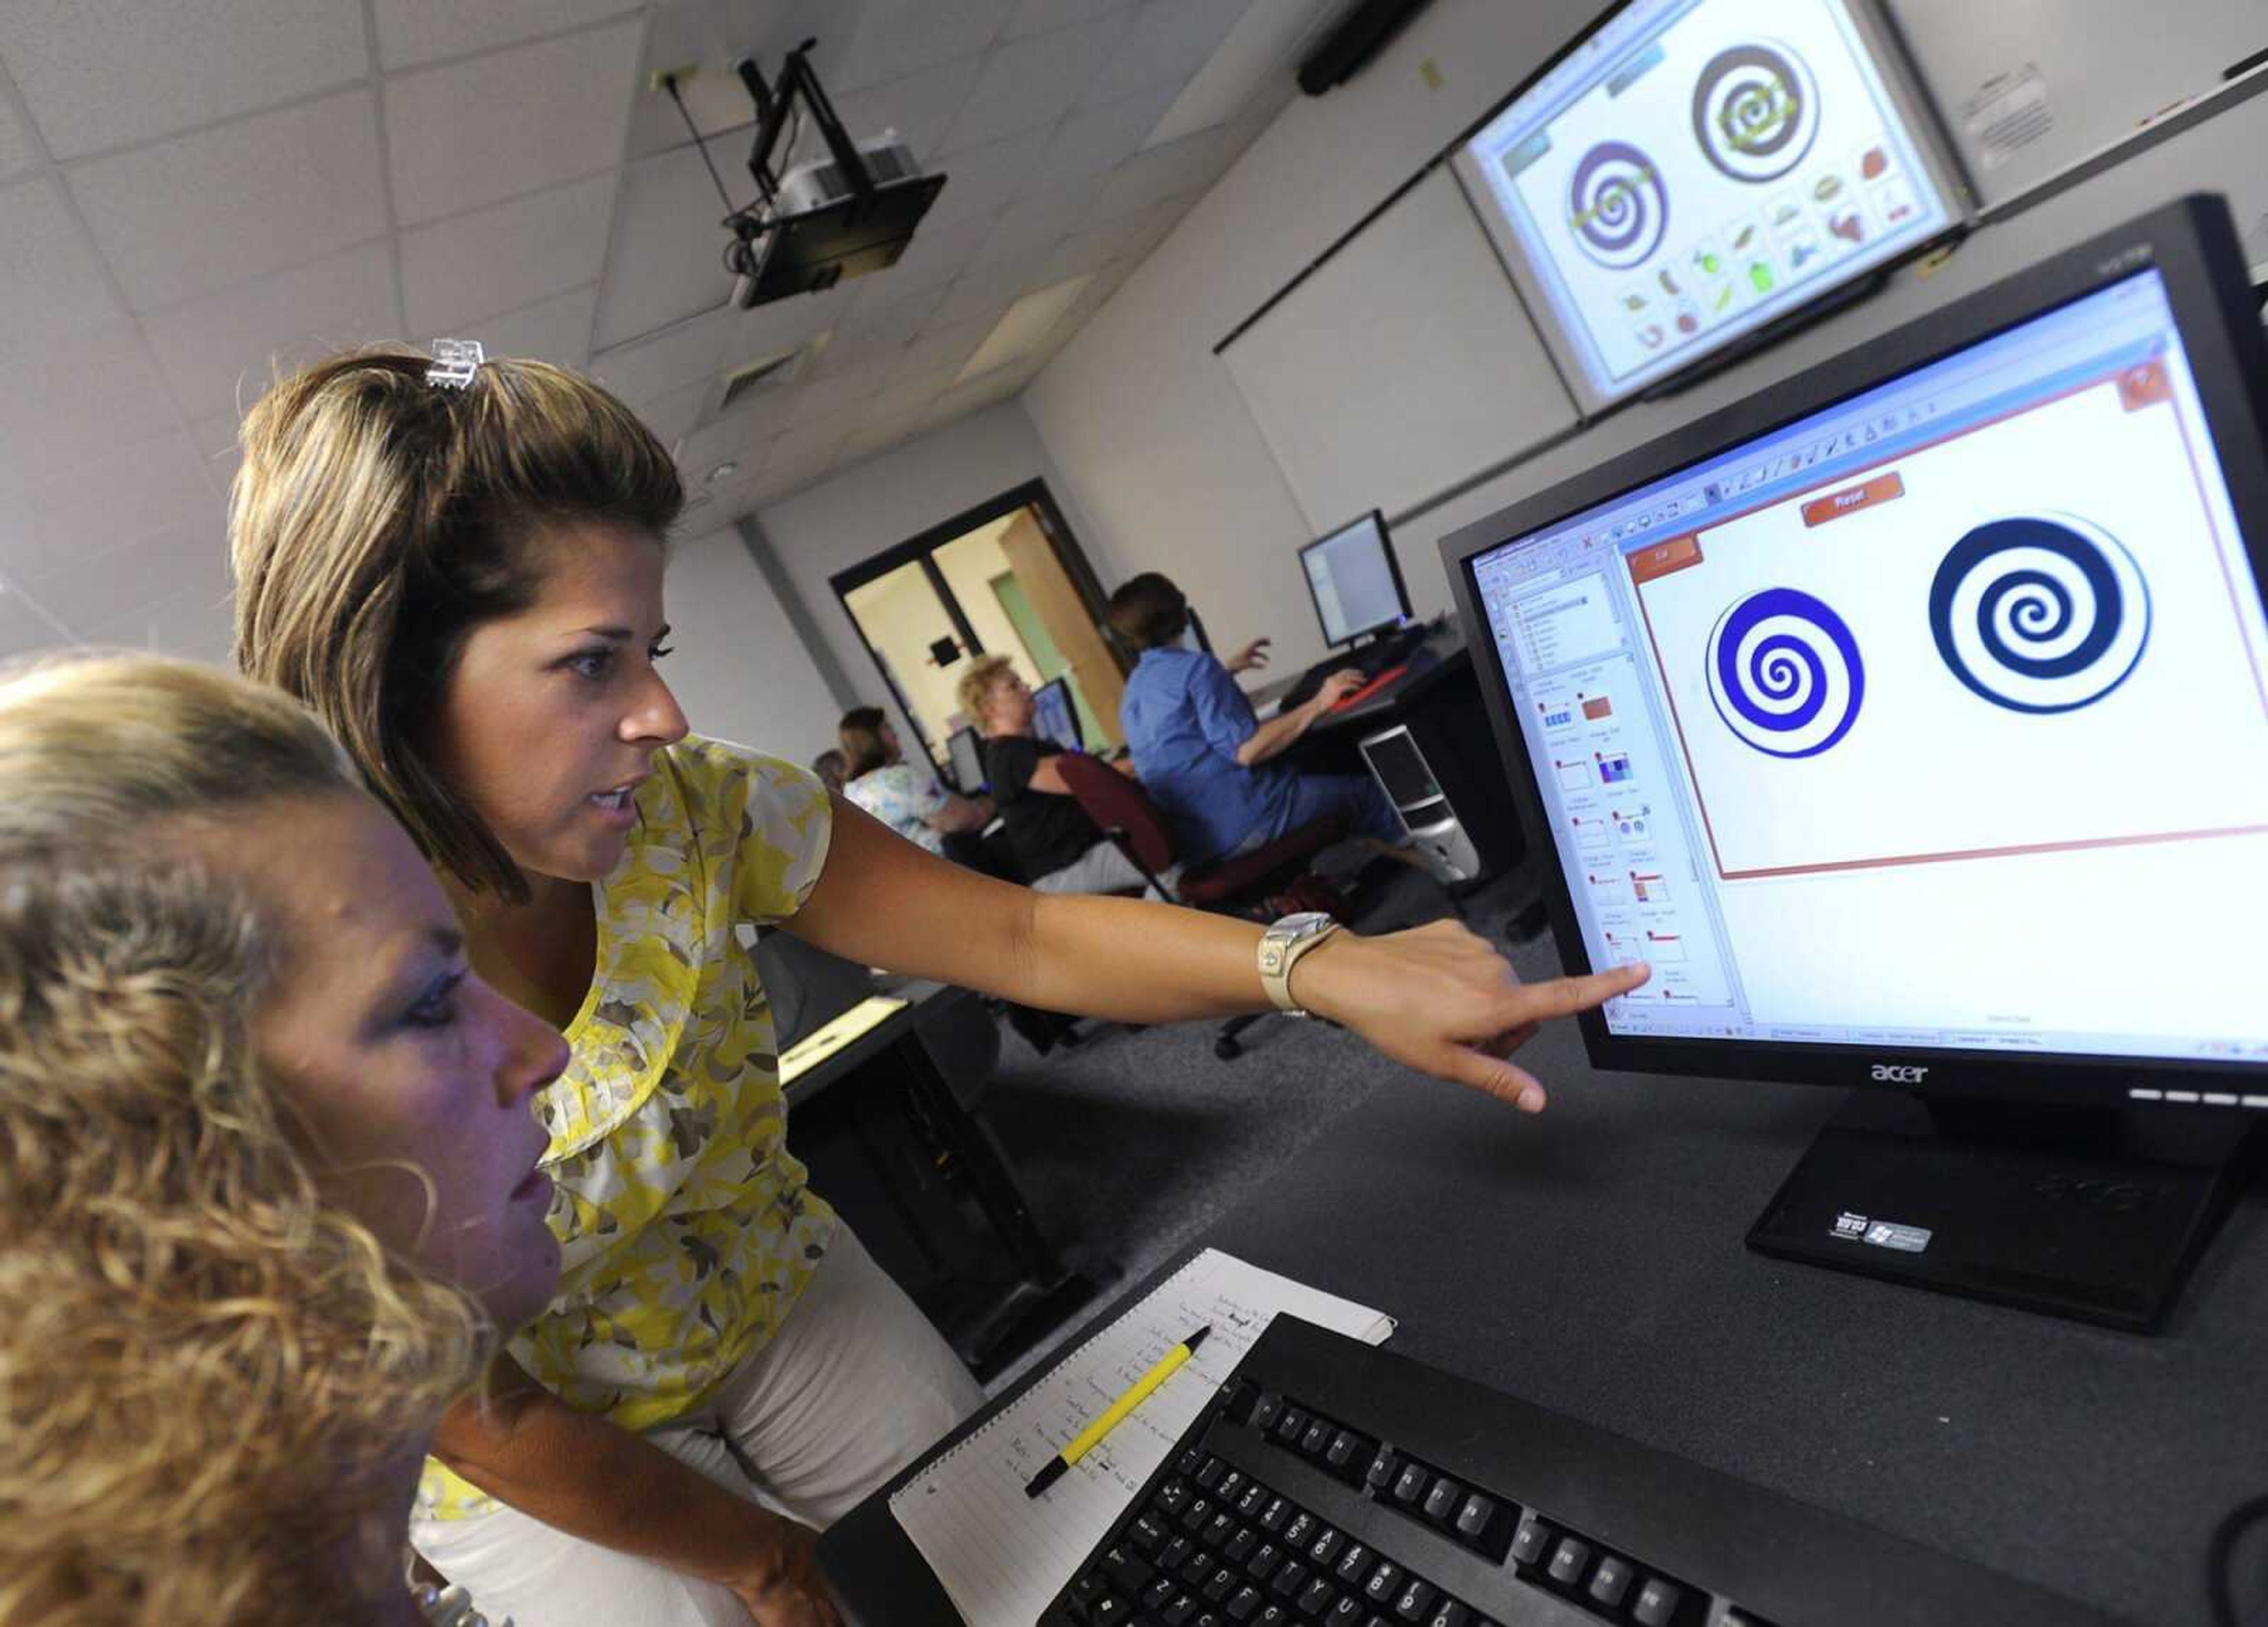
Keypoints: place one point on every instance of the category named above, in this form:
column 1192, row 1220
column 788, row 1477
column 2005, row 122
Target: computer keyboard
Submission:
column 1331, row 1482
column 1369, row 659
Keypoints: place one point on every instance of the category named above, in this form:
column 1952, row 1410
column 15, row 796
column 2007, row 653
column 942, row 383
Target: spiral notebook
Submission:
column 1002, row 1556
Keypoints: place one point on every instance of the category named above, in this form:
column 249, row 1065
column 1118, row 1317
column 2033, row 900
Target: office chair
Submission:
column 1240, row 885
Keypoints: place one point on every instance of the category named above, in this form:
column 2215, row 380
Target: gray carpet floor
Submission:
column 1132, row 1143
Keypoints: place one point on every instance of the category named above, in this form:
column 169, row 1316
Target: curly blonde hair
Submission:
column 205, row 1371
column 975, row 686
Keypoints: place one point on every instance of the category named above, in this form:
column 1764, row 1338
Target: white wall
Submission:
column 1161, row 451
column 739, row 669
column 893, row 498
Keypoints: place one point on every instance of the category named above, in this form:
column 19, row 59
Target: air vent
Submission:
column 771, row 373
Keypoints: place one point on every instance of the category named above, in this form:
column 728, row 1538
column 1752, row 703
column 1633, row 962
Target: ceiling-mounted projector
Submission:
column 845, row 215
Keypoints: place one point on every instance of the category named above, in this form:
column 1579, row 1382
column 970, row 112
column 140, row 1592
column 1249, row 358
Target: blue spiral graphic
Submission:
column 1784, row 673
column 2039, row 613
column 1616, row 205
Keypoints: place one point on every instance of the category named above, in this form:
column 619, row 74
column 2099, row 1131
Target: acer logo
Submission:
column 1890, row 1073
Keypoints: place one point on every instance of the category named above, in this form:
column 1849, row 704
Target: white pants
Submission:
column 1102, row 868
column 850, row 1389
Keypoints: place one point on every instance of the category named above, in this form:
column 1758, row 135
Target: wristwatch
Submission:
column 1282, row 945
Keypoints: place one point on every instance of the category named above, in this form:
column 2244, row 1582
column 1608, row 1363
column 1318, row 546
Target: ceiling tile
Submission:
column 186, row 559
column 24, row 628
column 983, row 179
column 98, row 74
column 17, row 149
column 215, row 439
column 1034, row 82
column 1038, row 16
column 456, row 144
column 1169, row 41
column 716, row 342
column 55, row 526
column 975, row 296
column 194, row 627
column 501, row 259
column 899, row 37
column 1026, row 230
column 877, row 326
column 936, row 357
column 220, row 353
column 193, row 215
column 1148, row 178
column 816, row 443
column 1094, row 138
column 936, row 255
column 63, row 409
column 668, row 259
column 743, row 437
column 854, row 385
column 411, row 32
column 675, row 411
column 555, row 330
column 919, row 106
column 56, row 286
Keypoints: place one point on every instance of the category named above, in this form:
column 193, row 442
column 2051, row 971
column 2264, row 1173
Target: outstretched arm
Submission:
column 1437, row 998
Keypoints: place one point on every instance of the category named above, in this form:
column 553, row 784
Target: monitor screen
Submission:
column 1694, row 169
column 1937, row 718
column 1355, row 580
column 966, row 757
column 1053, row 716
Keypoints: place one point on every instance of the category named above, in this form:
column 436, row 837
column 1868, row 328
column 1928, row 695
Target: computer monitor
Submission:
column 1054, row 718
column 1355, row 580
column 1911, row 721
column 1691, row 171
column 965, row 757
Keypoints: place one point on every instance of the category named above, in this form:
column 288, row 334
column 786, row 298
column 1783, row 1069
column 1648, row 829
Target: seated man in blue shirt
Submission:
column 1206, row 760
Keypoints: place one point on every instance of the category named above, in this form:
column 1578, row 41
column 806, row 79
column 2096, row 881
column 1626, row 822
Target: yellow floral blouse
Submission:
column 685, row 1228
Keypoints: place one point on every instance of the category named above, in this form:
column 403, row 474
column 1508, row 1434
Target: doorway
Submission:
column 1006, row 577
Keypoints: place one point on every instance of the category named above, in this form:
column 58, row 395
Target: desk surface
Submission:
column 1591, row 1261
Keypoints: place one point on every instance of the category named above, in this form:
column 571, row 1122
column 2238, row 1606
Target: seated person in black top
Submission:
column 1060, row 849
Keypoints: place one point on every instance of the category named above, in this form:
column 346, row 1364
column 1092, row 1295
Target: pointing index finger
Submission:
column 1563, row 996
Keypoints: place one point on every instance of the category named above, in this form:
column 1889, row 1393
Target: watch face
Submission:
column 1299, row 926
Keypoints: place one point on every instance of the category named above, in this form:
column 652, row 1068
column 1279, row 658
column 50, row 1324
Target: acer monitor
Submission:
column 1910, row 722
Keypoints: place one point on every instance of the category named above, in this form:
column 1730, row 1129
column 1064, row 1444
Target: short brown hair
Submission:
column 378, row 520
column 861, row 734
column 1149, row 612
column 975, row 686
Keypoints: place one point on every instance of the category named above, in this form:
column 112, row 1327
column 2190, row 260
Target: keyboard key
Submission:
column 1385, row 1464
column 1160, row 1594
column 1611, row 1582
column 1326, row 1546
column 1188, row 1462
column 1410, row 1485
column 1180, row 1612
column 1276, row 1514
column 1657, row 1602
column 1198, row 1570
column 1109, row 1610
column 1418, row 1596
column 1148, row 1534
column 1089, row 1589
column 1264, row 1410
column 1317, row 1437
column 1209, row 1473
column 1350, row 1611
column 1129, row 1572
column 1473, row 1519
column 1288, row 1581
column 1317, row 1596
column 1273, row 1616
column 1353, row 1562
column 1263, row 1564
column 1230, row 1484
column 1449, row 1613
column 1194, row 1516
column 1384, row 1581
column 1218, row 1531
column 1224, row 1583
column 1175, row 1554
column 1532, row 1541
column 1175, row 1495
column 1290, row 1424
column 1238, row 1548
column 1242, row 1606
column 1302, row 1531
column 1252, row 1499
column 1345, row 1448
column 1441, row 1501
column 1570, row 1560
column 1237, row 1397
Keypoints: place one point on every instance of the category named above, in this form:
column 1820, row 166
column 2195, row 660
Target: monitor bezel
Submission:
column 2194, row 246
column 1377, row 517
column 952, row 768
column 1939, row 157
column 1061, row 683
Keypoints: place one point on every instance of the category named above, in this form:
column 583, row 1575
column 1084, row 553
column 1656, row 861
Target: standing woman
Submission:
column 466, row 582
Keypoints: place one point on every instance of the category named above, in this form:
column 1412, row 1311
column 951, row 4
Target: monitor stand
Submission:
column 2094, row 1213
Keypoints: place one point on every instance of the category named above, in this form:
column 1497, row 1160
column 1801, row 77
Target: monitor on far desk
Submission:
column 1355, row 581
column 1054, row 718
column 965, row 755
column 1912, row 724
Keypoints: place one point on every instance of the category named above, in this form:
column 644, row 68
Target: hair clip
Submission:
column 455, row 363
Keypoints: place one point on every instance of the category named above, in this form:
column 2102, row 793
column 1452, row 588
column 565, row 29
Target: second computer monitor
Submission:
column 1355, row 580
column 965, row 753
column 1054, row 718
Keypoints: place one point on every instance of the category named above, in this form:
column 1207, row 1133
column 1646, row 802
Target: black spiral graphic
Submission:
column 1755, row 111
column 2040, row 613
column 1616, row 205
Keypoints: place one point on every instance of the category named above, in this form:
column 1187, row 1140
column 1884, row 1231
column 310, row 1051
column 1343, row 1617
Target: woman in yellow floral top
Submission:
column 466, row 582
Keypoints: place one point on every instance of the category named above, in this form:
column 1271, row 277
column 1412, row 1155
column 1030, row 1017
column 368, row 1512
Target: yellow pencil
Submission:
column 1087, row 1438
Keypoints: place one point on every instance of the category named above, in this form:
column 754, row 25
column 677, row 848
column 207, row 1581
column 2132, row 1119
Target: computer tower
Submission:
column 1437, row 769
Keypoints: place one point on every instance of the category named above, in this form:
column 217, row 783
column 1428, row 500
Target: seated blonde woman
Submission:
column 268, row 1184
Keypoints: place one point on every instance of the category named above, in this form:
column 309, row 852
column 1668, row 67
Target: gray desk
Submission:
column 1591, row 1261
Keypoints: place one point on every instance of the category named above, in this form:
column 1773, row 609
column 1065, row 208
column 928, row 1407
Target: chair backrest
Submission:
column 1115, row 802
column 807, row 987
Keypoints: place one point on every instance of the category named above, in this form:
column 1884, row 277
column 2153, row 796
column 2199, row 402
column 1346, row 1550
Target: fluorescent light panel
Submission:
column 1023, row 324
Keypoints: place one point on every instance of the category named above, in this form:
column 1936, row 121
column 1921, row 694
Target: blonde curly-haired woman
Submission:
column 267, row 1179
column 463, row 575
